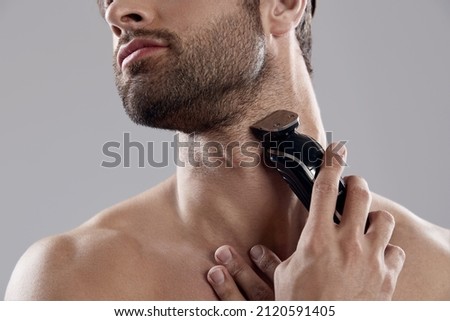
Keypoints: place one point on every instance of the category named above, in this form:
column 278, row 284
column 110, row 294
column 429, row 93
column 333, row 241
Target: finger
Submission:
column 265, row 260
column 381, row 227
column 326, row 187
column 394, row 257
column 223, row 284
column 357, row 205
column 253, row 286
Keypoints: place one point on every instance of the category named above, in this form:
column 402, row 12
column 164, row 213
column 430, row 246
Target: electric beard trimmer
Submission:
column 297, row 157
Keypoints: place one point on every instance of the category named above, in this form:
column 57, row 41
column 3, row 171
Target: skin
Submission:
column 165, row 243
column 331, row 262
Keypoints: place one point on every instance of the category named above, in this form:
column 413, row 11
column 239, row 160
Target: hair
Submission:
column 303, row 30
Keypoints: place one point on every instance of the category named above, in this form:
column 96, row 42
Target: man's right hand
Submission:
column 341, row 262
column 334, row 262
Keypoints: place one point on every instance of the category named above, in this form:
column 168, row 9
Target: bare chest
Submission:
column 170, row 275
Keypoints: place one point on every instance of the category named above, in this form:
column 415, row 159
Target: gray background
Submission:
column 382, row 79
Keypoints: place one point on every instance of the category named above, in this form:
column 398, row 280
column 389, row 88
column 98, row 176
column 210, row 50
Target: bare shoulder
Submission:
column 411, row 227
column 68, row 266
column 426, row 274
column 100, row 260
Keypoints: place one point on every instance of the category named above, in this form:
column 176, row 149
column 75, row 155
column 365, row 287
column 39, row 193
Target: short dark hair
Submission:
column 303, row 30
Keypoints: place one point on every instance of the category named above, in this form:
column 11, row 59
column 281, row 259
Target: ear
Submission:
column 281, row 16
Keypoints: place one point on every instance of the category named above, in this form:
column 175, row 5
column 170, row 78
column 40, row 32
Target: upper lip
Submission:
column 136, row 44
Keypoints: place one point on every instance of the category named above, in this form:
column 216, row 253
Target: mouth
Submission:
column 138, row 49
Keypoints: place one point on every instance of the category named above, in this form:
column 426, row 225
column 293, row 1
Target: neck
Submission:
column 232, row 198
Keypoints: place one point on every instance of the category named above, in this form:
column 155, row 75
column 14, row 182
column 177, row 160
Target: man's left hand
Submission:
column 234, row 279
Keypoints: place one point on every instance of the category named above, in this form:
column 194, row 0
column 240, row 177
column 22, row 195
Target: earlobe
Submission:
column 282, row 16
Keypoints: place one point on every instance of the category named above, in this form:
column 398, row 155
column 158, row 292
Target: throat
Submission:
column 241, row 207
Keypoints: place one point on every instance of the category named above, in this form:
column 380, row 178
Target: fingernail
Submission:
column 223, row 254
column 217, row 276
column 256, row 252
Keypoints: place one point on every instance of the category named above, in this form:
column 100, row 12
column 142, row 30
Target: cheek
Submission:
column 182, row 15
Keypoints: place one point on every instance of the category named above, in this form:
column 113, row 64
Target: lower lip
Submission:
column 139, row 54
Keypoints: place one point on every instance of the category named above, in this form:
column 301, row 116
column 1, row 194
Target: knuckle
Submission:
column 359, row 188
column 267, row 264
column 397, row 252
column 326, row 187
column 236, row 270
column 383, row 216
column 356, row 180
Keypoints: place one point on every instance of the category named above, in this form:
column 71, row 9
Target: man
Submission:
column 214, row 68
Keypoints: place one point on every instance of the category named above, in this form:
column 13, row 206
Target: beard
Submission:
column 200, row 84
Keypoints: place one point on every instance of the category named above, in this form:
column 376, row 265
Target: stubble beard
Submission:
column 202, row 84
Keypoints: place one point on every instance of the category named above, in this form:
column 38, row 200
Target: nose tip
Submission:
column 124, row 16
column 127, row 22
